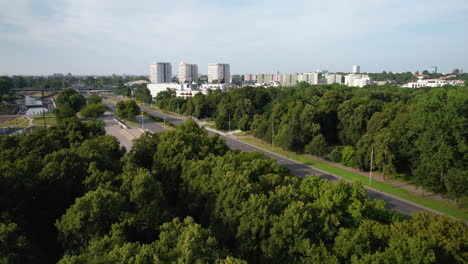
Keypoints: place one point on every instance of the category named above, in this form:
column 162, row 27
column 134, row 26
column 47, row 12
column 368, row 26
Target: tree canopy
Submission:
column 68, row 193
column 418, row 133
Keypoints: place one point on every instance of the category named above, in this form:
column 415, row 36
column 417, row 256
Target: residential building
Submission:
column 290, row 79
column 357, row 80
column 433, row 83
column 250, row 77
column 161, row 72
column 156, row 88
column 308, row 77
column 356, row 69
column 215, row 86
column 332, row 78
column 188, row 73
column 219, row 72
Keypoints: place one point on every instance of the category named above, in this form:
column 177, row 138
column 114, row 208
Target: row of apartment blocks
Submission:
column 161, row 72
column 290, row 79
column 219, row 77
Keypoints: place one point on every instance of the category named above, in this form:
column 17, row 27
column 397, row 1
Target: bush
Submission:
column 335, row 155
column 94, row 110
column 318, row 146
column 348, row 156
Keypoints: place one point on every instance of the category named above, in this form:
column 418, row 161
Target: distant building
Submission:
column 215, row 86
column 156, row 88
column 161, row 72
column 357, row 80
column 219, row 72
column 290, row 79
column 250, row 77
column 432, row 69
column 356, row 69
column 433, row 83
column 136, row 82
column 181, row 89
column 188, row 73
column 457, row 71
column 332, row 78
column 308, row 77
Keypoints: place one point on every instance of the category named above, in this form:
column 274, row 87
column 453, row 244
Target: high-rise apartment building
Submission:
column 357, row 80
column 188, row 73
column 290, row 78
column 219, row 72
column 309, row 77
column 250, row 77
column 356, row 69
column 161, row 72
column 334, row 78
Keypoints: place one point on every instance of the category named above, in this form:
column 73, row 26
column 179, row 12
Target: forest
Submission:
column 419, row 135
column 70, row 194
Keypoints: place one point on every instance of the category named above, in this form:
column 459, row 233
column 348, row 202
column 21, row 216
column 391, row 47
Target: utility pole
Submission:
column 370, row 172
column 229, row 121
column 164, row 124
column 43, row 109
column 142, row 120
column 272, row 134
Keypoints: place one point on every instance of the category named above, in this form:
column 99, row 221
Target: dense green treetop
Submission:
column 68, row 193
column 418, row 133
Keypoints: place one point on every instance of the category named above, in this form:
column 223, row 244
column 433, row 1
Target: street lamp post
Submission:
column 142, row 120
column 370, row 172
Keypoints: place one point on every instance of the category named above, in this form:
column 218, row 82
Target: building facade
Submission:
column 250, row 77
column 290, row 78
column 433, row 83
column 357, row 80
column 356, row 69
column 219, row 72
column 188, row 73
column 332, row 78
column 161, row 72
column 308, row 77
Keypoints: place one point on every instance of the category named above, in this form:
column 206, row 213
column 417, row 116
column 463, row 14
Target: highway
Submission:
column 299, row 169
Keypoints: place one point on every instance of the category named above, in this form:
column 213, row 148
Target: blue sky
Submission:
column 124, row 37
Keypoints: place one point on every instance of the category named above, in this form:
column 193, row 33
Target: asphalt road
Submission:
column 299, row 169
column 114, row 129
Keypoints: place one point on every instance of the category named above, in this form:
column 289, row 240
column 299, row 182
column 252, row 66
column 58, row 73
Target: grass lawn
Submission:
column 20, row 122
column 39, row 120
column 428, row 202
column 241, row 134
column 131, row 123
column 162, row 111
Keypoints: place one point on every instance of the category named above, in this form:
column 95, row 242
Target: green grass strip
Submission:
column 20, row 122
column 428, row 202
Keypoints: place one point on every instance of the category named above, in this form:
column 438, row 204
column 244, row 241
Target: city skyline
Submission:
column 118, row 37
